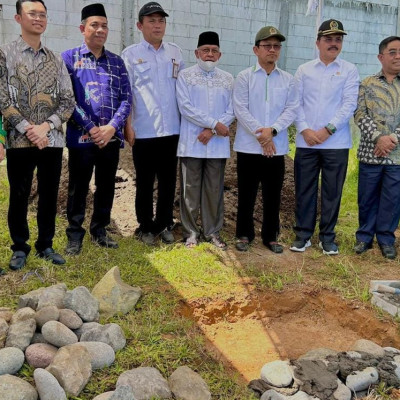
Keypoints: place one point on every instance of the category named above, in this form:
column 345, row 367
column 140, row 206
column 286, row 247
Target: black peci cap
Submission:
column 93, row 10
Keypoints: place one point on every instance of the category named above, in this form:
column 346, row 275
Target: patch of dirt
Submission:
column 247, row 331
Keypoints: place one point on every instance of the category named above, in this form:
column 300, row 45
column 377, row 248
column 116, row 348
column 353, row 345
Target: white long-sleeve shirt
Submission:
column 328, row 94
column 262, row 100
column 204, row 99
column 151, row 73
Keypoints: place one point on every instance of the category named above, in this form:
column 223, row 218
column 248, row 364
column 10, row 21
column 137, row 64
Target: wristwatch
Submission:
column 51, row 125
column 274, row 132
column 214, row 132
column 330, row 128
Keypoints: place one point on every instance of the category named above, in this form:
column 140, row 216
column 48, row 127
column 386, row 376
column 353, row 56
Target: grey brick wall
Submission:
column 236, row 21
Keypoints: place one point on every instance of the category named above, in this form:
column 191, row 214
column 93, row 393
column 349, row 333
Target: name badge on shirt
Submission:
column 175, row 68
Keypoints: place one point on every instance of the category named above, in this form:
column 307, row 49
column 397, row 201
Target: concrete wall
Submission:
column 236, row 21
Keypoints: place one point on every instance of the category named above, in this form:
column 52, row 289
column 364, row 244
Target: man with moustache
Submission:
column 328, row 90
column 378, row 118
column 204, row 94
column 95, row 131
column 153, row 127
column 265, row 103
column 36, row 98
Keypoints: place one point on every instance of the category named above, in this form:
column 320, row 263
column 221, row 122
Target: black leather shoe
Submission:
column 243, row 243
column 362, row 247
column 18, row 260
column 105, row 241
column 73, row 248
column 388, row 251
column 275, row 247
column 50, row 255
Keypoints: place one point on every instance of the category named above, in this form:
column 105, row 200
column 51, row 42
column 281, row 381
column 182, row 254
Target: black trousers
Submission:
column 81, row 163
column 253, row 169
column 308, row 163
column 155, row 158
column 21, row 163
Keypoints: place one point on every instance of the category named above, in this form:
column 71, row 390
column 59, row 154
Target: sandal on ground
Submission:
column 191, row 242
column 243, row 244
column 217, row 241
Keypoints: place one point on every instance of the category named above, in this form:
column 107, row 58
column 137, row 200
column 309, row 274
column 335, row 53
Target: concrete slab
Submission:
column 388, row 302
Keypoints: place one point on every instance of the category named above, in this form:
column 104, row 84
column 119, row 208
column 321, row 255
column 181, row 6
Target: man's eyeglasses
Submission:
column 332, row 40
column 276, row 47
column 206, row 51
column 35, row 15
column 393, row 53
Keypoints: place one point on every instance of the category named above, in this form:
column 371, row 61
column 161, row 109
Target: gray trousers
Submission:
column 202, row 190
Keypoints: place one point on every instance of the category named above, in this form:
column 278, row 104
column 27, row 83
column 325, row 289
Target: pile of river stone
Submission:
column 56, row 331
column 329, row 375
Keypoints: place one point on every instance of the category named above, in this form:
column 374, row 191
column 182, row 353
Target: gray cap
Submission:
column 267, row 32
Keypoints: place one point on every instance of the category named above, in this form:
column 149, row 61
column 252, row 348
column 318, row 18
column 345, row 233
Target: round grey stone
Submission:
column 22, row 315
column 111, row 334
column 277, row 373
column 13, row 388
column 101, row 354
column 38, row 338
column 104, row 396
column 20, row 334
column 70, row 319
column 368, row 346
column 11, row 360
column 3, row 332
column 58, row 334
column 83, row 303
column 362, row 380
column 40, row 355
column 46, row 314
column 318, row 354
column 342, row 392
column 86, row 326
column 186, row 384
column 48, row 386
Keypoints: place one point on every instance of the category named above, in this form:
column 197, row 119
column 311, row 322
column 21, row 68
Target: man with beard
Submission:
column 378, row 118
column 204, row 94
column 36, row 98
column 265, row 103
column 95, row 131
column 328, row 90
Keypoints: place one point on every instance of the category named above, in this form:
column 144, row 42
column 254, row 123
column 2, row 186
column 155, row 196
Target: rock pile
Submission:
column 56, row 331
column 329, row 375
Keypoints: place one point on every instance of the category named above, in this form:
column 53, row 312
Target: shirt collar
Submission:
column 335, row 61
column 85, row 50
column 381, row 75
column 258, row 67
column 149, row 46
column 211, row 73
column 23, row 46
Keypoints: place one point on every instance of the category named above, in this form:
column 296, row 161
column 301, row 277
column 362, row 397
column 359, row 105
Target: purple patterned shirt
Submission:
column 102, row 93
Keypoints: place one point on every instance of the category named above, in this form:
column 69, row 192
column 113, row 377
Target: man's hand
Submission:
column 205, row 136
column 384, row 145
column 265, row 136
column 2, row 152
column 43, row 143
column 311, row 137
column 269, row 149
column 222, row 130
column 103, row 135
column 36, row 133
column 322, row 134
column 129, row 134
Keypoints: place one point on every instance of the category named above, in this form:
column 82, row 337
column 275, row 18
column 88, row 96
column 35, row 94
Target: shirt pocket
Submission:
column 142, row 73
column 278, row 100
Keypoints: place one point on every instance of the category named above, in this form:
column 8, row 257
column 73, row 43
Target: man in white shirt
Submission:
column 265, row 103
column 153, row 127
column 328, row 90
column 204, row 94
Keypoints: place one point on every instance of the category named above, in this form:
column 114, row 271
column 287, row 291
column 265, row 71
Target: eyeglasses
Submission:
column 35, row 15
column 332, row 40
column 269, row 47
column 206, row 51
column 393, row 53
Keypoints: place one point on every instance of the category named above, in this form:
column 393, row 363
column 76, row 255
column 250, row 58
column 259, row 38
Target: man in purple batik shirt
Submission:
column 94, row 132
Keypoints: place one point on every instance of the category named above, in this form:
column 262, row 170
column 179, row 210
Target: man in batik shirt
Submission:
column 94, row 133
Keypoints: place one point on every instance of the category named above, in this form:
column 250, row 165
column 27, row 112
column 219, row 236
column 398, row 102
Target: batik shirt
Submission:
column 102, row 93
column 34, row 88
column 377, row 114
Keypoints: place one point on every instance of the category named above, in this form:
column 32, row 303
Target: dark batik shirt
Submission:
column 377, row 114
column 102, row 93
column 34, row 88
